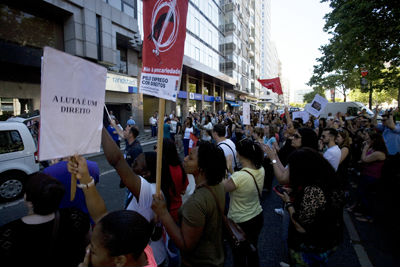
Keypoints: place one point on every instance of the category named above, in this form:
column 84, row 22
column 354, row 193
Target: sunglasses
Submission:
column 297, row 136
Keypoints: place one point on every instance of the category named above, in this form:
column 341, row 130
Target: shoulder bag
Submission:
column 254, row 179
column 235, row 235
column 234, row 157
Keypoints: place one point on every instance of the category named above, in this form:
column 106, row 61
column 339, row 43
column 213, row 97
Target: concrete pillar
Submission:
column 213, row 94
column 202, row 92
column 223, row 97
column 185, row 111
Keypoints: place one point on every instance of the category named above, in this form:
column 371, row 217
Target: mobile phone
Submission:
column 279, row 189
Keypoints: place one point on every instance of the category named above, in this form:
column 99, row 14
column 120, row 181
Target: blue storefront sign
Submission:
column 182, row 94
column 208, row 98
column 194, row 96
column 198, row 96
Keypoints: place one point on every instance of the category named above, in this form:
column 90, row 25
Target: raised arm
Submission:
column 288, row 118
column 185, row 237
column 116, row 159
column 281, row 173
column 374, row 122
column 117, row 129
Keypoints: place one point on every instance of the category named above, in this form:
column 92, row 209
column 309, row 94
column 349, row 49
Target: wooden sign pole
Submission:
column 160, row 135
column 73, row 182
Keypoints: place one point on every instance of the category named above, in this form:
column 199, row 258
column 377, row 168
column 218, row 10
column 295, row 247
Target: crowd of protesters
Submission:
column 314, row 163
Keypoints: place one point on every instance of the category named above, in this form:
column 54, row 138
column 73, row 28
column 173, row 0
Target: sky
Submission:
column 297, row 30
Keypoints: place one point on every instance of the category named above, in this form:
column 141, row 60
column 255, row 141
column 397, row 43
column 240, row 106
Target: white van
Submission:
column 351, row 108
column 17, row 159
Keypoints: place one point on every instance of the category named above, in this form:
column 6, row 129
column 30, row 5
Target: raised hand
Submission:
column 78, row 166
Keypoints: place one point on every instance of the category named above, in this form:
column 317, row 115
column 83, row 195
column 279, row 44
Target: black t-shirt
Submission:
column 24, row 244
column 178, row 128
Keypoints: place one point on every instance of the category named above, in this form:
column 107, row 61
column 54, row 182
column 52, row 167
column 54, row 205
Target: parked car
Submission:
column 18, row 159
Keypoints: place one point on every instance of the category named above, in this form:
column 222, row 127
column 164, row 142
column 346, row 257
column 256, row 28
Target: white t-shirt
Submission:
column 143, row 207
column 187, row 132
column 173, row 126
column 153, row 121
column 333, row 155
column 205, row 135
column 229, row 151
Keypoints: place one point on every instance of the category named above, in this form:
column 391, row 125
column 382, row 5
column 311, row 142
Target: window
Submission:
column 10, row 141
column 196, row 2
column 197, row 53
column 129, row 9
column 197, row 27
column 98, row 37
column 210, row 37
column 115, row 3
column 122, row 60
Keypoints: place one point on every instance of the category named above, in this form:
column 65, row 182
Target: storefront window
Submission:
column 27, row 29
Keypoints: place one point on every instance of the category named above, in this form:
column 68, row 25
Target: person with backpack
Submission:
column 226, row 145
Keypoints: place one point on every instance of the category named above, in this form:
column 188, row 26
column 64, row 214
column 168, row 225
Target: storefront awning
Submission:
column 233, row 104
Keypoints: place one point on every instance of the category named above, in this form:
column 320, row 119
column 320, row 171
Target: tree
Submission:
column 364, row 34
column 341, row 81
column 379, row 96
column 308, row 98
column 297, row 105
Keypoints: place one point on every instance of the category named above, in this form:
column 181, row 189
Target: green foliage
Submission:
column 364, row 34
column 308, row 98
column 297, row 105
column 379, row 97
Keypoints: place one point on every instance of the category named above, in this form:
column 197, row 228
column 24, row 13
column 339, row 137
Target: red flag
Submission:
column 273, row 84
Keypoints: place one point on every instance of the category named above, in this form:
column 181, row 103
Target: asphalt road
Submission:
column 272, row 247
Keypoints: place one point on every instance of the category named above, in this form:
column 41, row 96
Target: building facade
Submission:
column 271, row 66
column 102, row 31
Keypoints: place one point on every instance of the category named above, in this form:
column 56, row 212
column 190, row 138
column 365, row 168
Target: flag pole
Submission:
column 160, row 135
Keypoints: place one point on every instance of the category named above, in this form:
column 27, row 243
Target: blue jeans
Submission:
column 153, row 131
column 186, row 146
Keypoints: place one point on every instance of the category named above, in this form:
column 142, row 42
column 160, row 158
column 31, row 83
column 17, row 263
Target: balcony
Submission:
column 227, row 65
column 230, row 27
column 229, row 7
column 251, row 53
column 228, row 47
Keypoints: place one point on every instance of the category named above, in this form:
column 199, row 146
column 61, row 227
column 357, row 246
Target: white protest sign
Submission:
column 71, row 105
column 304, row 115
column 246, row 113
column 317, row 105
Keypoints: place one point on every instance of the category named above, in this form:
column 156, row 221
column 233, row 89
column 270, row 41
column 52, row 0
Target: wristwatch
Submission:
column 273, row 161
column 86, row 186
